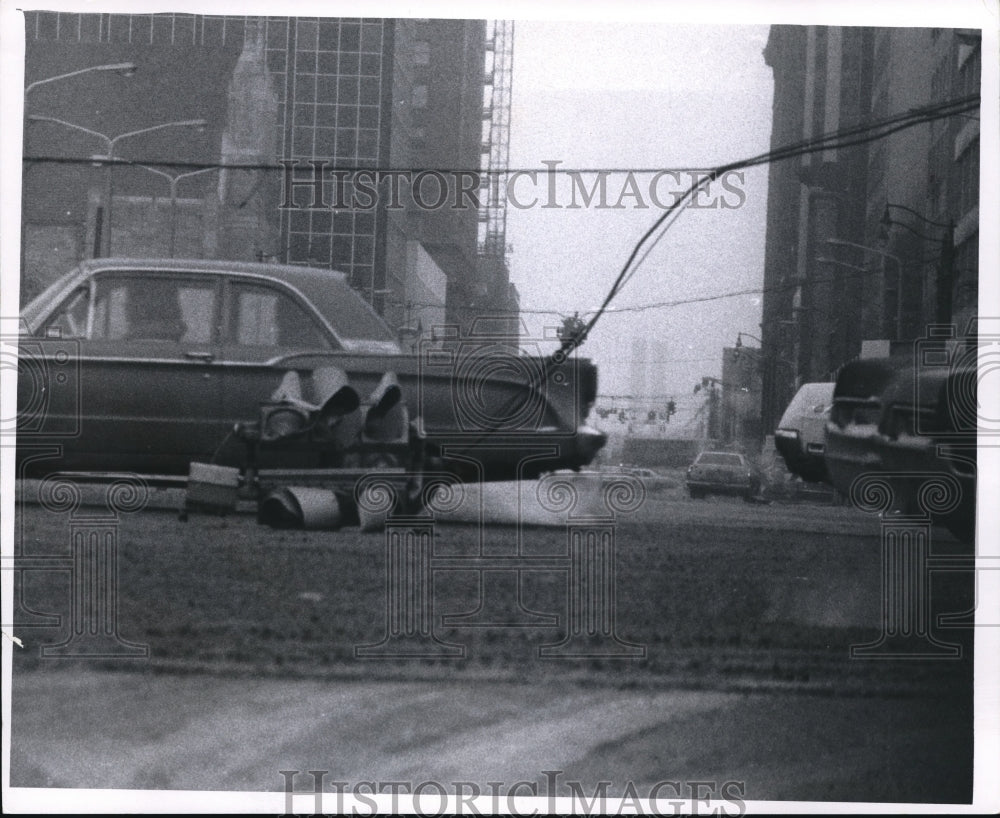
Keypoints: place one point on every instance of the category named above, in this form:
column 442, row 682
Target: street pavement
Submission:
column 162, row 731
column 747, row 612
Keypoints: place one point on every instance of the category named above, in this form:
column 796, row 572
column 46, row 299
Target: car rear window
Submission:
column 719, row 459
column 348, row 313
column 260, row 315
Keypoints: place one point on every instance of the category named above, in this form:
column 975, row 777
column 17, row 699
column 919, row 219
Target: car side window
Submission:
column 154, row 308
column 263, row 316
column 70, row 320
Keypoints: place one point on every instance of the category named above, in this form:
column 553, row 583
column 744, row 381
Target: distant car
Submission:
column 146, row 365
column 651, row 479
column 801, row 434
column 909, row 422
column 722, row 473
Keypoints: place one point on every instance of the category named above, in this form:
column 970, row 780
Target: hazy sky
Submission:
column 594, row 95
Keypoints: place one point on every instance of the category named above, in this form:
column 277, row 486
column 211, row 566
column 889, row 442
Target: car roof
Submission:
column 312, row 282
column 292, row 273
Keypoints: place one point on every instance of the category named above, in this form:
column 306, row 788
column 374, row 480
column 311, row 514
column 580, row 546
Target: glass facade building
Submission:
column 350, row 93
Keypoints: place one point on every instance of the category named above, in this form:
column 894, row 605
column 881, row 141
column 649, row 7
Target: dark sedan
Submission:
column 147, row 365
column 911, row 424
column 722, row 473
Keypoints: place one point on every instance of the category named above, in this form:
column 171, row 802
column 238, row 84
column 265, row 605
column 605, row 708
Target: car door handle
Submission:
column 198, row 355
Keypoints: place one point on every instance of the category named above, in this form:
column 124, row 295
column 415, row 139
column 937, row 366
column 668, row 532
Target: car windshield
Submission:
column 719, row 459
column 811, row 399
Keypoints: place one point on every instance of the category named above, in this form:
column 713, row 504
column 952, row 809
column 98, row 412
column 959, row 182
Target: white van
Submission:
column 801, row 435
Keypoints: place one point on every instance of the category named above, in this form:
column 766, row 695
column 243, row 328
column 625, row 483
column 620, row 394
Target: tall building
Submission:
column 867, row 245
column 500, row 296
column 342, row 102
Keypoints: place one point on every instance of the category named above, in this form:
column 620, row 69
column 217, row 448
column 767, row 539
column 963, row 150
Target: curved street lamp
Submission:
column 126, row 69
column 174, row 180
column 109, row 158
column 839, row 263
column 760, row 352
column 887, row 218
column 866, row 248
column 946, row 257
column 899, row 273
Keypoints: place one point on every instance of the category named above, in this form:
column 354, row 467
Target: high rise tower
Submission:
column 245, row 229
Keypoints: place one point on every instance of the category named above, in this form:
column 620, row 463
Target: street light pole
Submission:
column 767, row 365
column 946, row 260
column 899, row 273
column 174, row 180
column 887, row 219
column 124, row 68
column 110, row 142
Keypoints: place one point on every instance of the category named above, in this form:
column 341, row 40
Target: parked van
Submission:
column 801, row 435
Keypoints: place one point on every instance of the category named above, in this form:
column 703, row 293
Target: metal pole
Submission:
column 174, row 181
column 126, row 68
column 110, row 142
column 887, row 219
column 946, row 276
column 108, row 195
column 173, row 214
column 883, row 254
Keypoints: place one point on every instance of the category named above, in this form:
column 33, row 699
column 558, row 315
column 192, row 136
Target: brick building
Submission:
column 868, row 244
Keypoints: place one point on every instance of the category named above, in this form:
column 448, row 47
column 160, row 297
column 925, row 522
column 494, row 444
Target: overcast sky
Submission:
column 598, row 95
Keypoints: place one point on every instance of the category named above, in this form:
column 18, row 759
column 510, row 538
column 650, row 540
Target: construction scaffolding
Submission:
column 496, row 137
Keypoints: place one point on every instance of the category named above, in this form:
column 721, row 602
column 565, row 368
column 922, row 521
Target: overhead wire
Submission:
column 841, row 138
column 698, row 299
column 858, row 135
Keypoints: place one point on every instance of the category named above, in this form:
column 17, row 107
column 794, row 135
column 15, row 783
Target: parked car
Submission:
column 801, row 434
column 722, row 473
column 651, row 479
column 147, row 365
column 909, row 422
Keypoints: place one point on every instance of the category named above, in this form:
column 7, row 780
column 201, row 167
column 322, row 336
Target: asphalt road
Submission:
column 746, row 614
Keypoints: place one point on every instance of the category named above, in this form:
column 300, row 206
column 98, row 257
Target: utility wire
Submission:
column 842, row 138
column 923, row 114
column 855, row 136
column 698, row 299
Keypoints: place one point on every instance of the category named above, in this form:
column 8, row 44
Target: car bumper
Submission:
column 721, row 488
column 851, row 451
column 803, row 458
column 516, row 457
column 904, row 462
